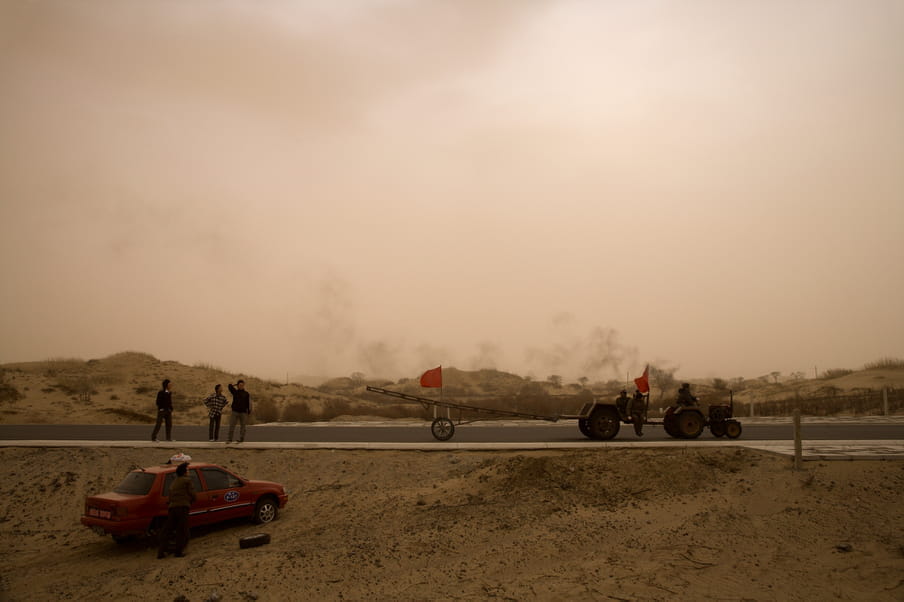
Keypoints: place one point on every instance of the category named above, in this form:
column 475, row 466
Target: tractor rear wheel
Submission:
column 690, row 423
column 670, row 424
column 603, row 423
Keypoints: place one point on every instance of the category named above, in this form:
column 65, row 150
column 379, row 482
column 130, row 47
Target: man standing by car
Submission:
column 181, row 497
column 241, row 410
column 164, row 411
column 215, row 404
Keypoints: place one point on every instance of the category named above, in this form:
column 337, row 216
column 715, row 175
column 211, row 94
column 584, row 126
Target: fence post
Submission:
column 885, row 402
column 798, row 448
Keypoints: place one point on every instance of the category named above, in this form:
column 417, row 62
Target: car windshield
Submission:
column 136, row 483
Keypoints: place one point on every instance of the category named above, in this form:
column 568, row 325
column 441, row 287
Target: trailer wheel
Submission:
column 442, row 429
column 603, row 423
column 690, row 423
column 733, row 429
column 718, row 428
column 584, row 427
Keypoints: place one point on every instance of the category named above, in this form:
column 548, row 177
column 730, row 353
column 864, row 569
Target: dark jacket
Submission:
column 685, row 398
column 638, row 404
column 181, row 493
column 241, row 400
column 164, row 400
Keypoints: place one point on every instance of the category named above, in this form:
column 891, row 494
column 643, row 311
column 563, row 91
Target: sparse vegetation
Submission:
column 298, row 412
column 835, row 373
column 336, row 407
column 58, row 365
column 265, row 410
column 137, row 376
column 208, row 367
column 9, row 393
column 885, row 363
column 128, row 414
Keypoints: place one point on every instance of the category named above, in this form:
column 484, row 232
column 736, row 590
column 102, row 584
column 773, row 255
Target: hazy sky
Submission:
column 559, row 187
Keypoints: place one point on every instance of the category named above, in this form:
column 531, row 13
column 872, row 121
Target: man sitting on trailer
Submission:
column 621, row 403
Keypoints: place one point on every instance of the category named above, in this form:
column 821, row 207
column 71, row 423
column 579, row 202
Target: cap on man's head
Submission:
column 166, row 382
column 240, row 382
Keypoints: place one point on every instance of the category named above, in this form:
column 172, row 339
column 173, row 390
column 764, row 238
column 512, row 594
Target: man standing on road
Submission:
column 638, row 411
column 241, row 410
column 164, row 412
column 215, row 404
column 181, row 497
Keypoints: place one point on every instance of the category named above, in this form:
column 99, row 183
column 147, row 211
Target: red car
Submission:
column 138, row 505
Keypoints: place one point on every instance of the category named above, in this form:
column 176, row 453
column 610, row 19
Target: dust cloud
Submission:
column 551, row 187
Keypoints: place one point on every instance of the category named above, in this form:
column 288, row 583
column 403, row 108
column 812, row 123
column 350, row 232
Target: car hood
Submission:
column 271, row 484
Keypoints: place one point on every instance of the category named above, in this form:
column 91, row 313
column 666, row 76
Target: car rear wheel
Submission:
column 265, row 511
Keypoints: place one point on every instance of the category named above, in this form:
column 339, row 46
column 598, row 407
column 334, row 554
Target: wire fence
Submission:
column 861, row 403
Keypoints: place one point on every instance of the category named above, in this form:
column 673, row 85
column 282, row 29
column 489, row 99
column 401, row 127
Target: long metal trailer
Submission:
column 443, row 427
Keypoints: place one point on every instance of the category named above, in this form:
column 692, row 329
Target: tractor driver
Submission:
column 684, row 396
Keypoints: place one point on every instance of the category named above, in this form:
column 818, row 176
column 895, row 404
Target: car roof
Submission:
column 164, row 468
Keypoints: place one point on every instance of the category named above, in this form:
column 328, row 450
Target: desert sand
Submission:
column 615, row 524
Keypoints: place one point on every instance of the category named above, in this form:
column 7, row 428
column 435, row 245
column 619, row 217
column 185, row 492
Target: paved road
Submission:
column 484, row 432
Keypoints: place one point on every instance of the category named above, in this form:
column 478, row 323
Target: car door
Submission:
column 198, row 511
column 227, row 495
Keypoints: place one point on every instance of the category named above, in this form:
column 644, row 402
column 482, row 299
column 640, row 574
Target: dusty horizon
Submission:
column 382, row 187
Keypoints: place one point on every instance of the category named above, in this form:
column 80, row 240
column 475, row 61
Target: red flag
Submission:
column 643, row 383
column 432, row 378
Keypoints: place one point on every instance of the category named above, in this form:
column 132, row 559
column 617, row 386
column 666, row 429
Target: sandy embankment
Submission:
column 604, row 524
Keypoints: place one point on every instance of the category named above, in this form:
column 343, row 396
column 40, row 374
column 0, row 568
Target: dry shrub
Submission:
column 835, row 373
column 265, row 410
column 9, row 393
column 885, row 363
column 298, row 411
column 335, row 407
column 129, row 414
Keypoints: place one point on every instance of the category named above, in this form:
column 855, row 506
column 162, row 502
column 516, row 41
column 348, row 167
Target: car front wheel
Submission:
column 265, row 511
